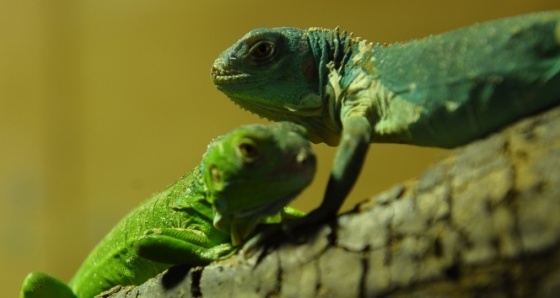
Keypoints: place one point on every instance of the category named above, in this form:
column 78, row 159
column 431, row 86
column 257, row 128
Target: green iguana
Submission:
column 245, row 178
column 442, row 91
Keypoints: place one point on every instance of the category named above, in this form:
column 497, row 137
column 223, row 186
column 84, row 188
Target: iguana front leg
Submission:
column 347, row 165
column 181, row 246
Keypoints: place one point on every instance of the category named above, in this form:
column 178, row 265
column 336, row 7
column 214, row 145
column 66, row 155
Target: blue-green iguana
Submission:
column 442, row 91
column 245, row 178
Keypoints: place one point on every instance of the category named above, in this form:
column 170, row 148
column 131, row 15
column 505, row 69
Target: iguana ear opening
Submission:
column 213, row 178
column 216, row 176
column 309, row 71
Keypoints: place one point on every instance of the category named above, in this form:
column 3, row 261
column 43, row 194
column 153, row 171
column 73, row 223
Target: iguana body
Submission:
column 245, row 178
column 442, row 91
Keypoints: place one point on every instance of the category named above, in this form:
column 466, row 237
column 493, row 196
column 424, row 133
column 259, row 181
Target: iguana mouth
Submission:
column 229, row 78
column 267, row 209
column 222, row 74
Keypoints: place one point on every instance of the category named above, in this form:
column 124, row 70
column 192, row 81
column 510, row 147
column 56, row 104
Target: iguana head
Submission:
column 270, row 72
column 254, row 172
column 280, row 74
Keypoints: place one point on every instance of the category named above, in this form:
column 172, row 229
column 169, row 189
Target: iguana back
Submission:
column 114, row 260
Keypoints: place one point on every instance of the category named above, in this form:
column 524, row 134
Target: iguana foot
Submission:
column 295, row 231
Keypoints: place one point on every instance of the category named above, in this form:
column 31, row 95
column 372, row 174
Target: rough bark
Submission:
column 483, row 222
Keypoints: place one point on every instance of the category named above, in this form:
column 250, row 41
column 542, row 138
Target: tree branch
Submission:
column 483, row 222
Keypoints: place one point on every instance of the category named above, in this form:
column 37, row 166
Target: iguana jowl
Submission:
column 442, row 91
column 245, row 178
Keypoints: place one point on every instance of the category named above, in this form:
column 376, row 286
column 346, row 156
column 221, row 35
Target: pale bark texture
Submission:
column 484, row 222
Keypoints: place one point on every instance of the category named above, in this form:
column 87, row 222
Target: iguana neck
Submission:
column 189, row 196
column 329, row 46
column 332, row 50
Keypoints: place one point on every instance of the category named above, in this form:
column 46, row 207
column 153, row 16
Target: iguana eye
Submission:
column 248, row 151
column 262, row 50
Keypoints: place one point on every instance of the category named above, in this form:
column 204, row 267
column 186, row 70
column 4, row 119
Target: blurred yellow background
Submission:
column 104, row 102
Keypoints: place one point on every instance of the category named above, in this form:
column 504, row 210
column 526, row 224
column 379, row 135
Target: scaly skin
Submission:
column 441, row 91
column 245, row 178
